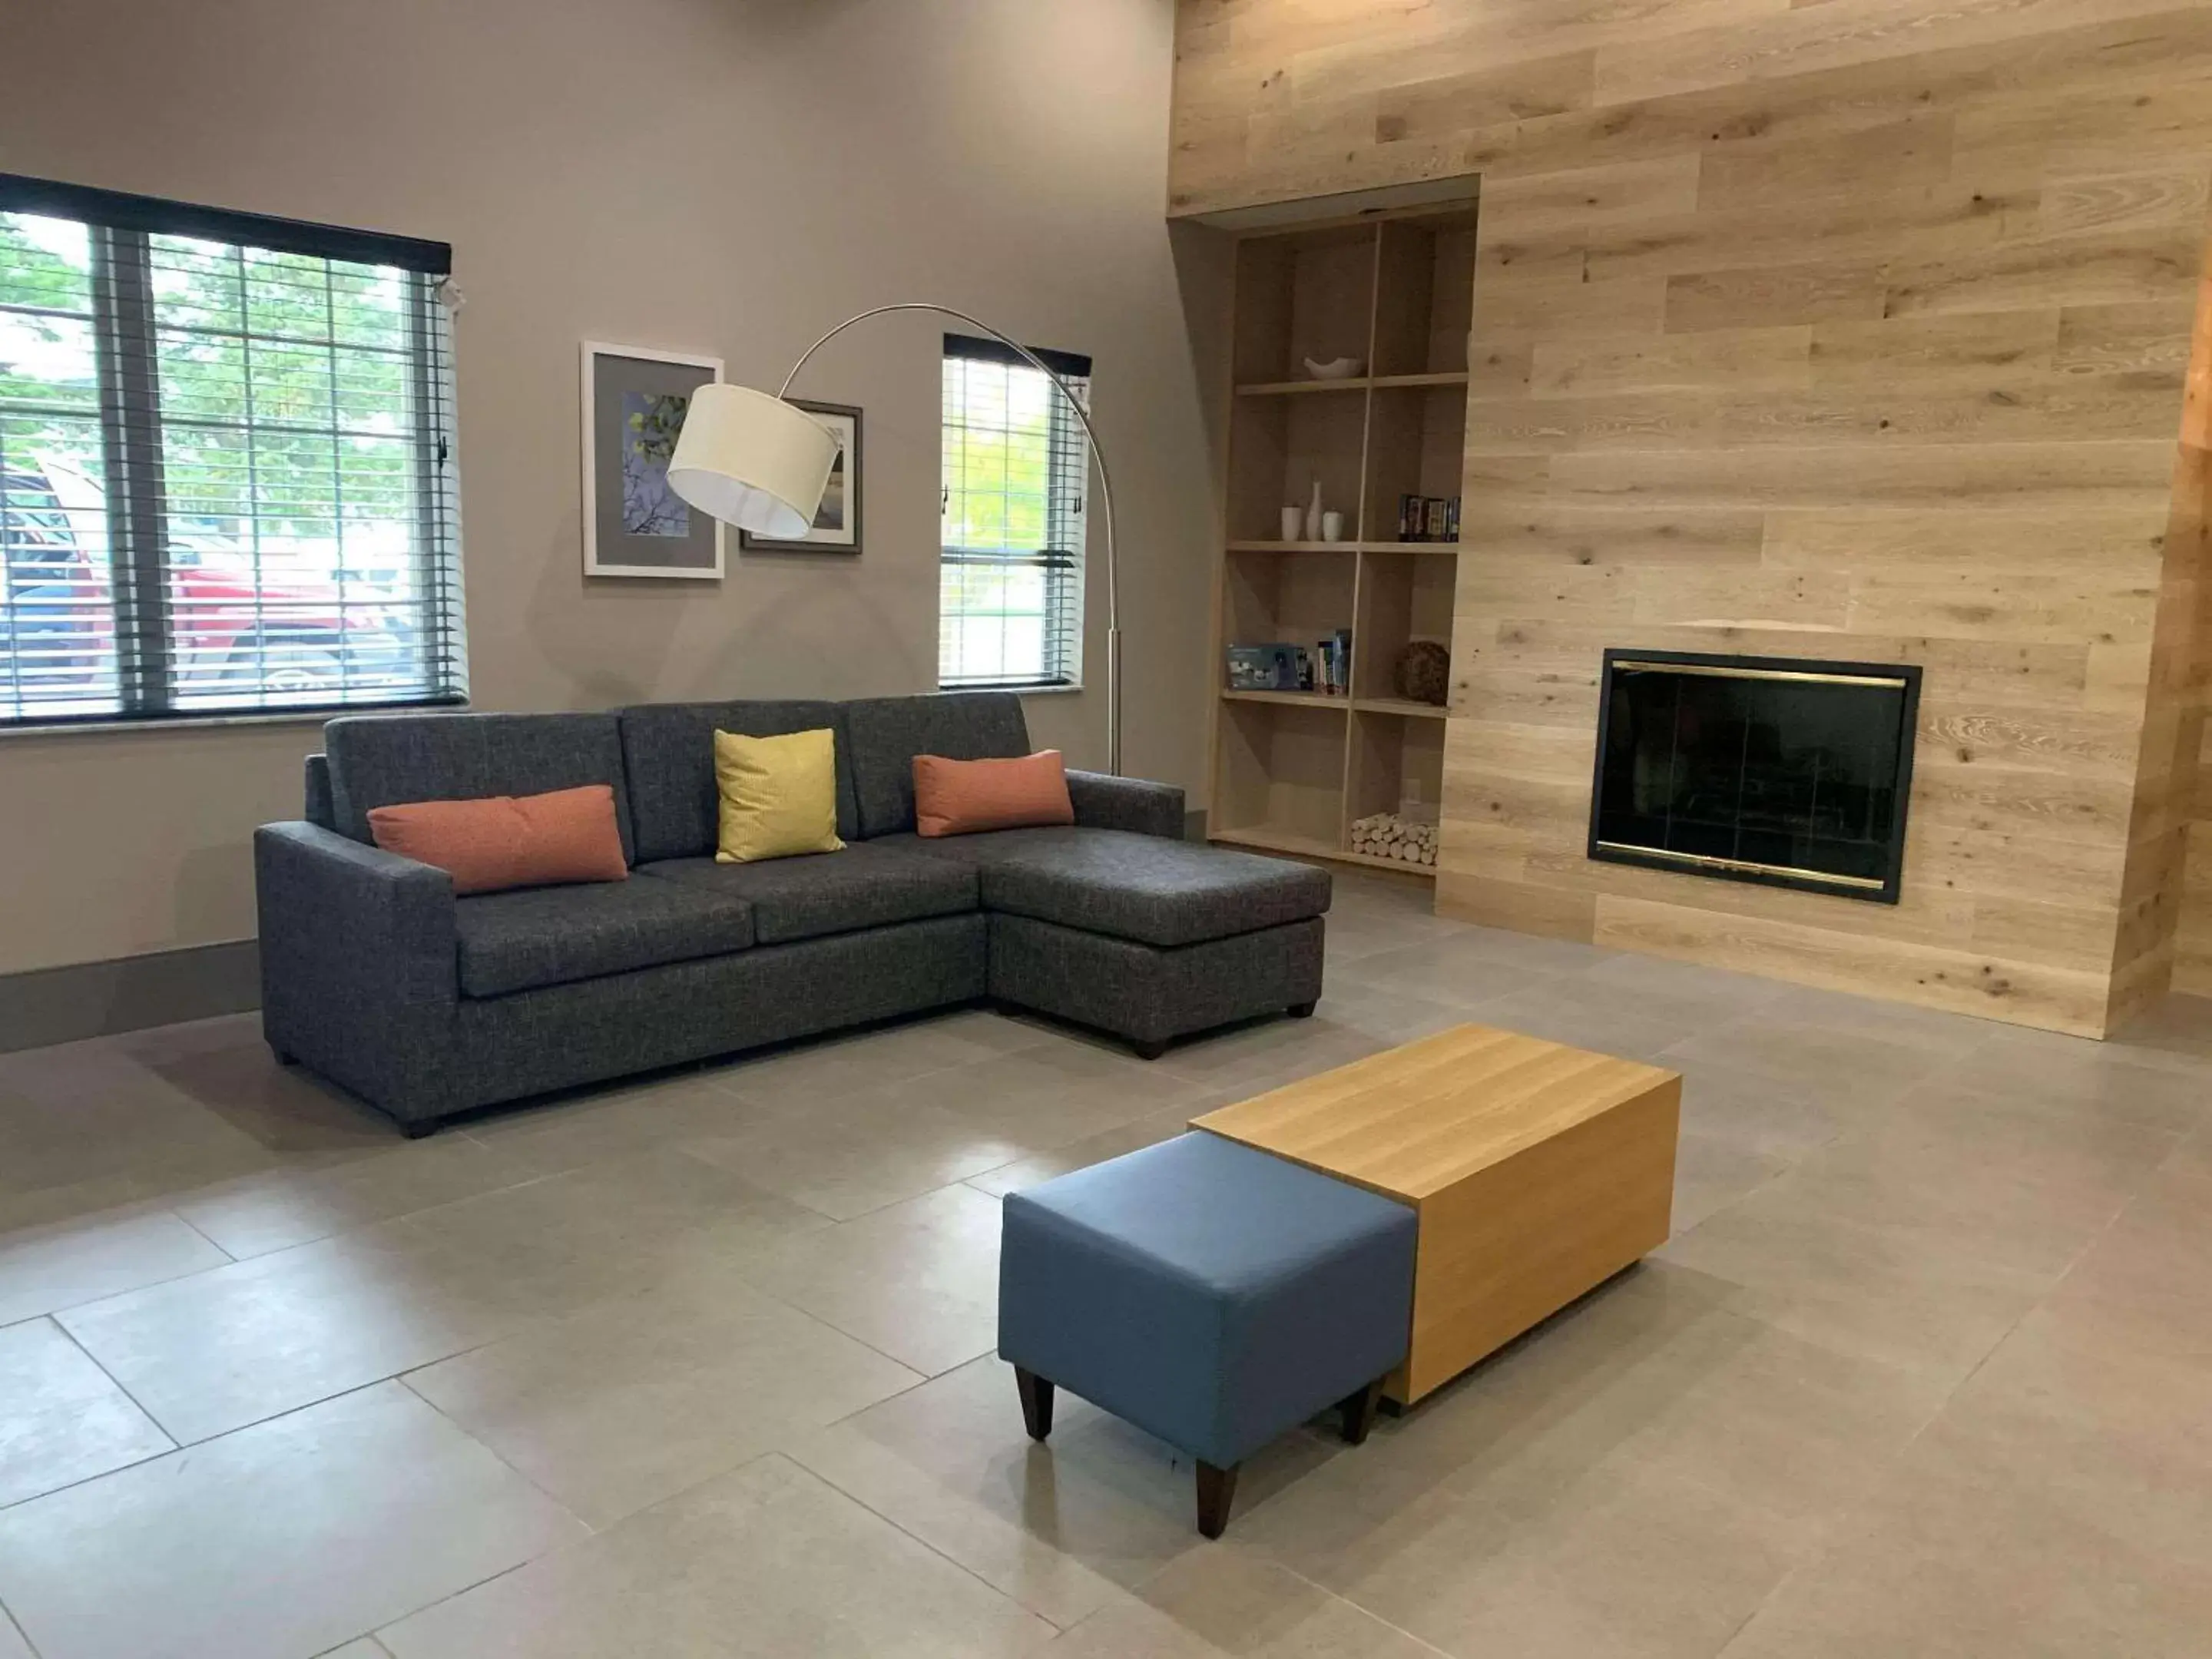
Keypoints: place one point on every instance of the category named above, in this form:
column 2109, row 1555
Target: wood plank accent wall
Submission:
column 1857, row 329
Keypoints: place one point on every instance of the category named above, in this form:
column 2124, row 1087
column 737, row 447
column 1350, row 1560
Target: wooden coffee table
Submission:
column 1538, row 1171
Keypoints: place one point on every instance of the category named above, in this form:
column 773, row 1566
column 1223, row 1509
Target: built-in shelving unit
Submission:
column 1292, row 769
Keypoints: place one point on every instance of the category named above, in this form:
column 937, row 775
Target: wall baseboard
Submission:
column 99, row 999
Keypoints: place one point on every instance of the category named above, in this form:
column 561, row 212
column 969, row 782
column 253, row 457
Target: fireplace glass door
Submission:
column 1756, row 768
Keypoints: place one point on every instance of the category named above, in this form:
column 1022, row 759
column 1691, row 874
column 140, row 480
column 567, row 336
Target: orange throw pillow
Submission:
column 958, row 798
column 509, row 840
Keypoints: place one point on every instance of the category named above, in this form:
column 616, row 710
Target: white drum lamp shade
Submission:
column 752, row 461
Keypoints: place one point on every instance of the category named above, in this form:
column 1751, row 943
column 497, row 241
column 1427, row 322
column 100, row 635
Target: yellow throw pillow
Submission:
column 779, row 795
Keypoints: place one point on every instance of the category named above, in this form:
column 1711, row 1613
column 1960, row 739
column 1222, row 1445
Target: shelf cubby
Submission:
column 1291, row 770
column 1397, row 765
column 1306, row 293
column 1402, row 597
column 1416, row 446
column 1281, row 769
column 1285, row 446
column 1424, row 295
column 1287, row 598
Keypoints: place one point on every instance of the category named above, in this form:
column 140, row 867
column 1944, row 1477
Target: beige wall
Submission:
column 726, row 176
column 1854, row 329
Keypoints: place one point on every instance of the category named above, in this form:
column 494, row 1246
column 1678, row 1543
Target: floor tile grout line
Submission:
column 177, row 1446
column 904, row 1531
column 1288, row 1572
column 491, row 1450
column 55, row 1313
column 375, row 1633
column 739, row 1272
column 121, row 1388
column 1830, row 1530
column 21, row 1635
column 232, row 1257
column 834, row 1095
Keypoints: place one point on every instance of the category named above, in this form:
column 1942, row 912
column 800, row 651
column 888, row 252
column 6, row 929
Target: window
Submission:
column 1016, row 476
column 226, row 474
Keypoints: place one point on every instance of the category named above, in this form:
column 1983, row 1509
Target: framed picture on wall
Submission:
column 837, row 521
column 634, row 402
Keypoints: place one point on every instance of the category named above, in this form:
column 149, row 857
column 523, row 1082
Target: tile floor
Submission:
column 703, row 1366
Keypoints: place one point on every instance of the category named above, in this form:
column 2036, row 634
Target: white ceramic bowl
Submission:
column 1340, row 368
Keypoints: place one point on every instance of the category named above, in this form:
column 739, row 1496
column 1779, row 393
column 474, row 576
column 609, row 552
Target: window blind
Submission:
column 227, row 472
column 1016, row 482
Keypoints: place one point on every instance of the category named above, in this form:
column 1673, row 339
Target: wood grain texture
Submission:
column 1860, row 329
column 1537, row 1172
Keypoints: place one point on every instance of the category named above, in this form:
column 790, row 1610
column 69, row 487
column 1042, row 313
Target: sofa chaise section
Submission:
column 1150, row 939
column 1113, row 922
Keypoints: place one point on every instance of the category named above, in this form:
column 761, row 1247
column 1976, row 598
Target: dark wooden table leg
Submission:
column 1217, row 1490
column 1036, row 1402
column 1359, row 1409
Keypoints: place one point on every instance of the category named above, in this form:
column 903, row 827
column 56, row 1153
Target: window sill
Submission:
column 214, row 722
column 1017, row 690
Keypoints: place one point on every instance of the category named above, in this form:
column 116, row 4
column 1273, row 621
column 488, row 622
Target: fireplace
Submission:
column 1794, row 774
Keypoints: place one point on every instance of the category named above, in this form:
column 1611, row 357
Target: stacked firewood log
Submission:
column 1394, row 836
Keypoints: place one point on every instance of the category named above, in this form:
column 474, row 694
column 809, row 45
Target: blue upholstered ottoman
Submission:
column 1212, row 1295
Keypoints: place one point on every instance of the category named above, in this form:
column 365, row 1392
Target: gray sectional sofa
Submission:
column 375, row 975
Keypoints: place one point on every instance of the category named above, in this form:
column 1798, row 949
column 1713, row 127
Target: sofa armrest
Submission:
column 1109, row 803
column 359, row 974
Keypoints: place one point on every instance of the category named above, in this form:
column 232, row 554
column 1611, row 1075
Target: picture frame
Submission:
column 837, row 524
column 633, row 404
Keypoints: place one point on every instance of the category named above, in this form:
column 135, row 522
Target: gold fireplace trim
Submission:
column 1749, row 866
column 1715, row 671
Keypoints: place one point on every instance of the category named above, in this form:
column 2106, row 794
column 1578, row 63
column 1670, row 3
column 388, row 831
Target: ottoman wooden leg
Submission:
column 1036, row 1402
column 1216, row 1489
column 1359, row 1410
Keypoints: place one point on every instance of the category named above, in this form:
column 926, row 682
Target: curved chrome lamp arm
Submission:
column 1105, row 490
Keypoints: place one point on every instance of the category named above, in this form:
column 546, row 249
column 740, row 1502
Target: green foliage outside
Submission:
column 999, row 433
column 313, row 354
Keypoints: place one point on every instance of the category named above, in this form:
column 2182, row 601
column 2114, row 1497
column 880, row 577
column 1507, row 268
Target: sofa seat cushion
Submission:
column 1155, row 891
column 869, row 885
column 543, row 936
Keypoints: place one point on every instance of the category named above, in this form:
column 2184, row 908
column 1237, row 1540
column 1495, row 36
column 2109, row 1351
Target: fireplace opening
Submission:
column 1794, row 774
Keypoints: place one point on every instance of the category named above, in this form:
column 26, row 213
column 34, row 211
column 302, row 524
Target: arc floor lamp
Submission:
column 758, row 463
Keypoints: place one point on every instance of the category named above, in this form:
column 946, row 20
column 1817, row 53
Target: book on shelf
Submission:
column 1332, row 663
column 1265, row 667
column 1325, row 666
column 1428, row 518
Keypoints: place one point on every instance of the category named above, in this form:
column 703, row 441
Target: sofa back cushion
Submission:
column 317, row 807
column 387, row 760
column 669, row 750
column 888, row 732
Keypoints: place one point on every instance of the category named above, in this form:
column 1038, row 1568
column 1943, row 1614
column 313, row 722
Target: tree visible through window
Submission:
column 226, row 477
column 1017, row 473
